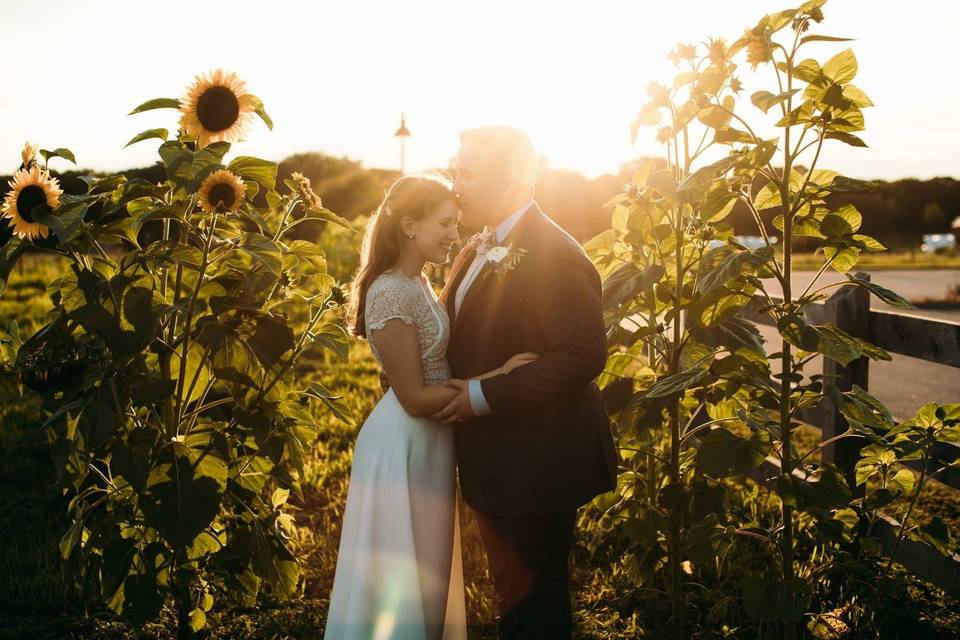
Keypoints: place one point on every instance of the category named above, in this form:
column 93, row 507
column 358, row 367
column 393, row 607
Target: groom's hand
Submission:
column 459, row 408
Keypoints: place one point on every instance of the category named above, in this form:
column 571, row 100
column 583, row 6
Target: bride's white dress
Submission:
column 399, row 574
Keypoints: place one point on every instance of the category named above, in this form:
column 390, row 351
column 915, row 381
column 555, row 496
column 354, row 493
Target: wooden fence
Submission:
column 931, row 340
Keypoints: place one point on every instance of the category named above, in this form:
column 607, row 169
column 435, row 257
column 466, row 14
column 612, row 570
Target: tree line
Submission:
column 896, row 212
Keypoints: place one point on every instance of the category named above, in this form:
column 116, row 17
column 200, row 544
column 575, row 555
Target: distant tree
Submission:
column 934, row 219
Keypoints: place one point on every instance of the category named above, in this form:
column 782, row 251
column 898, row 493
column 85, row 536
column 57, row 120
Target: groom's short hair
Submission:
column 506, row 149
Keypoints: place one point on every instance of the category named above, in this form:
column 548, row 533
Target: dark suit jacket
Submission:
column 547, row 447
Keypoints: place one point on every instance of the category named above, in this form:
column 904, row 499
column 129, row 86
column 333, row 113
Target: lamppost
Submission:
column 403, row 133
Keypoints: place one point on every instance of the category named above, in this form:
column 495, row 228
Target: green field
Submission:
column 885, row 260
column 39, row 599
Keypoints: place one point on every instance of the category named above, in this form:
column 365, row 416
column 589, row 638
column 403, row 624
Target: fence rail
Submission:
column 931, row 340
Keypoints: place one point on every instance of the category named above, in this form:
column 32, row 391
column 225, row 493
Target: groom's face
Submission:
column 480, row 188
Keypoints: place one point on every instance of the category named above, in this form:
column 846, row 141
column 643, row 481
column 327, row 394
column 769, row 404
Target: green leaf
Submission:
column 676, row 383
column 42, row 214
column 937, row 534
column 333, row 337
column 184, row 493
column 626, row 282
column 142, row 598
column 728, row 263
column 260, row 111
column 774, row 599
column 264, row 250
column 722, row 454
column 816, row 38
column 841, row 222
column 329, row 216
column 336, row 404
column 147, row 135
column 197, row 620
column 261, row 171
column 71, row 538
column 720, row 304
column 808, row 71
column 696, row 184
column 841, row 68
column 271, row 340
column 764, row 100
column 66, row 154
column 887, row 295
column 857, row 96
column 715, row 117
column 848, row 138
column 707, row 540
column 157, row 103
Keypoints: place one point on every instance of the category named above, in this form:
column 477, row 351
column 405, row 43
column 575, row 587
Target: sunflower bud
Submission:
column 28, row 155
column 307, row 194
column 717, row 51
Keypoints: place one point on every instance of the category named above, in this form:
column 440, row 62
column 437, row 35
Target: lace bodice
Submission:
column 396, row 295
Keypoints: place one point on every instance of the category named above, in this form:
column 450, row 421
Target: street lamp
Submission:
column 403, row 133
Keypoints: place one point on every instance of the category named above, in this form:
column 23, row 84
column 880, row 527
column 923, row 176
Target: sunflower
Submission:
column 217, row 108
column 28, row 155
column 221, row 191
column 29, row 188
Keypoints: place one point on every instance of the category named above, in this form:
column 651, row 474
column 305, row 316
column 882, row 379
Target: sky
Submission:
column 335, row 75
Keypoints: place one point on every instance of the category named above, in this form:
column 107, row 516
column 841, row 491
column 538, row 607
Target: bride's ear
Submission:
column 408, row 226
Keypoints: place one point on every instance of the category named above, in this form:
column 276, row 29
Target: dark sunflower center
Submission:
column 29, row 197
column 222, row 196
column 218, row 108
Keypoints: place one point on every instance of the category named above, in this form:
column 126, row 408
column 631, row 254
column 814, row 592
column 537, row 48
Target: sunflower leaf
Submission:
column 261, row 171
column 147, row 135
column 42, row 214
column 260, row 111
column 329, row 216
column 66, row 154
column 157, row 103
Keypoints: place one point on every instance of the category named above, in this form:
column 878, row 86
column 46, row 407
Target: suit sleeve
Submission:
column 569, row 313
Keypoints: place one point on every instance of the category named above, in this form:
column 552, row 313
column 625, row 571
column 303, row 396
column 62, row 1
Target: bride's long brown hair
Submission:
column 415, row 196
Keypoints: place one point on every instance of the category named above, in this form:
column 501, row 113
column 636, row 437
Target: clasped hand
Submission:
column 460, row 409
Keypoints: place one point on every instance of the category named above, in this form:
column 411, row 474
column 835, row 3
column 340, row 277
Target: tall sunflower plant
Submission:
column 166, row 366
column 699, row 395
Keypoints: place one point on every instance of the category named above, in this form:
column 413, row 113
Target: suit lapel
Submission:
column 484, row 277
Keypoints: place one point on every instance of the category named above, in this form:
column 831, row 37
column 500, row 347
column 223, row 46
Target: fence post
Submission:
column 849, row 310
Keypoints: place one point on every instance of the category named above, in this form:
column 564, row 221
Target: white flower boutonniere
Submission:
column 504, row 259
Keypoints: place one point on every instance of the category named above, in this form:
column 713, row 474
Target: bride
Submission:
column 399, row 572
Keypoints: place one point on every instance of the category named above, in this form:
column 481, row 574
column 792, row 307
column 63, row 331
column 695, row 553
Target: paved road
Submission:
column 903, row 384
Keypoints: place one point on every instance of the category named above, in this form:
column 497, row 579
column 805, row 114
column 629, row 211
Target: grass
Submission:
column 611, row 599
column 885, row 260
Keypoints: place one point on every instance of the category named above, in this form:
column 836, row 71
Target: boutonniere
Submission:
column 504, row 258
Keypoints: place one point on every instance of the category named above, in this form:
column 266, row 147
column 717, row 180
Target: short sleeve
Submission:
column 386, row 301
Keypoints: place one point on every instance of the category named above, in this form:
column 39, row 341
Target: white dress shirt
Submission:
column 478, row 401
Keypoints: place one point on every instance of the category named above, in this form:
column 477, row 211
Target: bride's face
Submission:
column 436, row 232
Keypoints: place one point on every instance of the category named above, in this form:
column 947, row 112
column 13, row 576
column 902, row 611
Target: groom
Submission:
column 535, row 444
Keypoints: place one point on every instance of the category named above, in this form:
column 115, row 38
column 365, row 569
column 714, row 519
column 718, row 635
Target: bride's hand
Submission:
column 518, row 361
